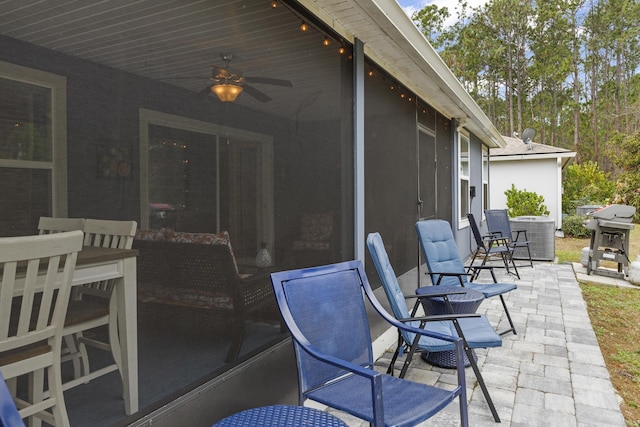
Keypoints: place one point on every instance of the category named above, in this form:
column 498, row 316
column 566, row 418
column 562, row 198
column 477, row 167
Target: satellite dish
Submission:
column 528, row 135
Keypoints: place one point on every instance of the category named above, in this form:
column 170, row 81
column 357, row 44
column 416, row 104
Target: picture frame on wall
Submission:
column 114, row 160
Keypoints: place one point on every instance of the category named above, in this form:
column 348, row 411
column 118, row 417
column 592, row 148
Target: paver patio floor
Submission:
column 551, row 373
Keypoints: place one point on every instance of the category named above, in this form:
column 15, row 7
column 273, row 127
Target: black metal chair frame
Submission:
column 488, row 246
column 498, row 226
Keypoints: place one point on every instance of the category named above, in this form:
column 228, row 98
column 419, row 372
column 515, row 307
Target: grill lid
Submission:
column 617, row 213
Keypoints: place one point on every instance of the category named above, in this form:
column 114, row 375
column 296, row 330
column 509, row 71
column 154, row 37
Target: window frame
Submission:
column 463, row 178
column 485, row 179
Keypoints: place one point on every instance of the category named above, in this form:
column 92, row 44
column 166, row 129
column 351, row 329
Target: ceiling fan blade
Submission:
column 269, row 81
column 206, row 91
column 185, row 78
column 260, row 96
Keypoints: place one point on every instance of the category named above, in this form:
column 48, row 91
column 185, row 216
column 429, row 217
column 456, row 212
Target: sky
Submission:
column 411, row 6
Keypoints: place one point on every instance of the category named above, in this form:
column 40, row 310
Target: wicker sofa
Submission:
column 199, row 271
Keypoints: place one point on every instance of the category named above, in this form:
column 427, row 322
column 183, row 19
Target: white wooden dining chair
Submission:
column 50, row 225
column 94, row 304
column 34, row 293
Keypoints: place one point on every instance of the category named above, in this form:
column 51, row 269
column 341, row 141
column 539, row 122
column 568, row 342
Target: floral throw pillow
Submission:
column 152, row 235
column 221, row 238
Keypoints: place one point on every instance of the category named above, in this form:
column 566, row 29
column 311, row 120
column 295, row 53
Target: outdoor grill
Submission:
column 610, row 228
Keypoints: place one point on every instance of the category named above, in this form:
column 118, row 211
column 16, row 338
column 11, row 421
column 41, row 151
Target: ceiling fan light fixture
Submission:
column 226, row 92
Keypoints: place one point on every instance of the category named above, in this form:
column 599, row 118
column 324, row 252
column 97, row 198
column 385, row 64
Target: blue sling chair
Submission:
column 474, row 329
column 446, row 268
column 324, row 309
column 9, row 416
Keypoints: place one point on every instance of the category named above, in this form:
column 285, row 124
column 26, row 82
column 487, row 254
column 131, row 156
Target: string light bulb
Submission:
column 370, row 72
column 274, row 3
column 341, row 50
column 304, row 26
column 326, row 41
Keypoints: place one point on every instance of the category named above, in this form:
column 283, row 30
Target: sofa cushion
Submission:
column 221, row 238
column 154, row 235
column 185, row 296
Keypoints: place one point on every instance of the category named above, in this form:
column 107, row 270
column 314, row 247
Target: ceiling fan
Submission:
column 228, row 83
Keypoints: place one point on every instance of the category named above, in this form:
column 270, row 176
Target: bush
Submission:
column 625, row 152
column 586, row 184
column 572, row 226
column 571, row 207
column 523, row 202
column 628, row 192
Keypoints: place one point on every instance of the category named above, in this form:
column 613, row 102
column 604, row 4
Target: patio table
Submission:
column 463, row 303
column 281, row 416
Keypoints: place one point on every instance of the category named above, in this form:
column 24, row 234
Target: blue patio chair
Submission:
column 499, row 226
column 446, row 268
column 488, row 246
column 9, row 416
column 324, row 309
column 474, row 329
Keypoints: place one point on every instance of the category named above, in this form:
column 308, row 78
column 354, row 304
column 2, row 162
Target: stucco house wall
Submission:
column 535, row 168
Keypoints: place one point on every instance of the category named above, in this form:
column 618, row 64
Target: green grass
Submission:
column 615, row 316
column 567, row 256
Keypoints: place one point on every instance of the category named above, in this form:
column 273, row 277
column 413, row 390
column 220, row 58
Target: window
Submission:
column 463, row 174
column 202, row 177
column 32, row 148
column 485, row 179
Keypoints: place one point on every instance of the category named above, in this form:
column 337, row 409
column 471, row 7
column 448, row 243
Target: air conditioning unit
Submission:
column 541, row 235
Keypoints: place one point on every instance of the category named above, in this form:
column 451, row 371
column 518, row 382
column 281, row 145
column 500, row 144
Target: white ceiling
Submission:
column 166, row 39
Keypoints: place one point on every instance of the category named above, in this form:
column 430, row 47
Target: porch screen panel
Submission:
column 148, row 139
column 25, row 196
column 426, row 175
column 391, row 174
